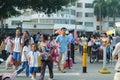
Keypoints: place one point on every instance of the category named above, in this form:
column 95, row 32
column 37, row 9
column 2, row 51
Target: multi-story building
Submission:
column 86, row 18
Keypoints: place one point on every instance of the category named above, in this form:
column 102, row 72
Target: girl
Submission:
column 24, row 59
column 17, row 49
column 33, row 61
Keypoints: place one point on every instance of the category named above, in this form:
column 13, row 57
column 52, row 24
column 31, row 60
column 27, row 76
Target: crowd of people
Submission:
column 34, row 53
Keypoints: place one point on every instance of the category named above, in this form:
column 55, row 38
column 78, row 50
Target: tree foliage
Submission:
column 99, row 8
column 107, row 8
column 10, row 8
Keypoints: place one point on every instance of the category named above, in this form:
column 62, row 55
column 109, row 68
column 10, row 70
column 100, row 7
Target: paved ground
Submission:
column 73, row 74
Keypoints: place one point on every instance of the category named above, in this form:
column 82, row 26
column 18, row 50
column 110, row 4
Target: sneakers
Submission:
column 33, row 78
column 50, row 79
column 63, row 71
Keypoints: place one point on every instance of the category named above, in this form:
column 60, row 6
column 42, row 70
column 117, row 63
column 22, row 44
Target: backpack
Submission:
column 20, row 39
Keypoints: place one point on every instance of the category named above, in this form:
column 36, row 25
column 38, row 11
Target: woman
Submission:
column 105, row 43
column 17, row 48
column 46, row 53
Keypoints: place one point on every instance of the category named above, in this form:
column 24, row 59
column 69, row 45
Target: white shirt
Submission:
column 17, row 45
column 83, row 41
column 34, row 58
column 117, row 52
column 25, row 52
column 8, row 45
column 32, row 41
column 114, row 41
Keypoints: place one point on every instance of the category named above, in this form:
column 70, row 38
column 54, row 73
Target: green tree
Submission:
column 106, row 8
column 100, row 10
column 7, row 9
column 115, row 9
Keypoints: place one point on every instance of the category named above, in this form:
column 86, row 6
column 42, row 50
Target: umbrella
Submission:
column 60, row 32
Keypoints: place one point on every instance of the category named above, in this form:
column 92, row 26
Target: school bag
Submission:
column 68, row 64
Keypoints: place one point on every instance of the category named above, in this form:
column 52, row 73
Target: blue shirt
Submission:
column 63, row 43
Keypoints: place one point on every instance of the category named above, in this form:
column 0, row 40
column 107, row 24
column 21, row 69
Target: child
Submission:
column 33, row 61
column 24, row 59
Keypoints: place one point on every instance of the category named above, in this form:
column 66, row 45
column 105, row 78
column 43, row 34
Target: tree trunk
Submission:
column 108, row 17
column 114, row 20
column 100, row 17
column 2, row 25
column 108, row 22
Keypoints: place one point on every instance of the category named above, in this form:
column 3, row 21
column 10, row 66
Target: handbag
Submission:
column 55, row 53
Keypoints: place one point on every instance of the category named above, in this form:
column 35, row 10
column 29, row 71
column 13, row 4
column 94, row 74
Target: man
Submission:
column 72, row 42
column 63, row 43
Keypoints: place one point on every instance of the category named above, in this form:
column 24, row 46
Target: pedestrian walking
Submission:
column 33, row 61
column 24, row 59
column 46, row 52
column 64, row 46
column 17, row 48
column 72, row 43
column 9, row 44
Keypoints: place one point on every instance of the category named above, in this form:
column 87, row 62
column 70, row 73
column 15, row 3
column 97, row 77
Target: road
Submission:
column 72, row 74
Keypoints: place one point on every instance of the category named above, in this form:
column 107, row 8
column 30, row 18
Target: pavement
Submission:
column 72, row 74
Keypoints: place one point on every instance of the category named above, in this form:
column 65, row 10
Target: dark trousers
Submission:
column 89, row 50
column 43, row 68
column 73, row 52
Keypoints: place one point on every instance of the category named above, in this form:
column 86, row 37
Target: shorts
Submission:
column 17, row 56
column 33, row 69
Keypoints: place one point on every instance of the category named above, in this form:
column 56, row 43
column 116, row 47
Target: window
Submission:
column 15, row 22
column 88, row 5
column 79, row 5
column 72, row 21
column 73, row 12
column 88, row 24
column 79, row 23
column 111, row 24
column 88, row 14
column 79, row 14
